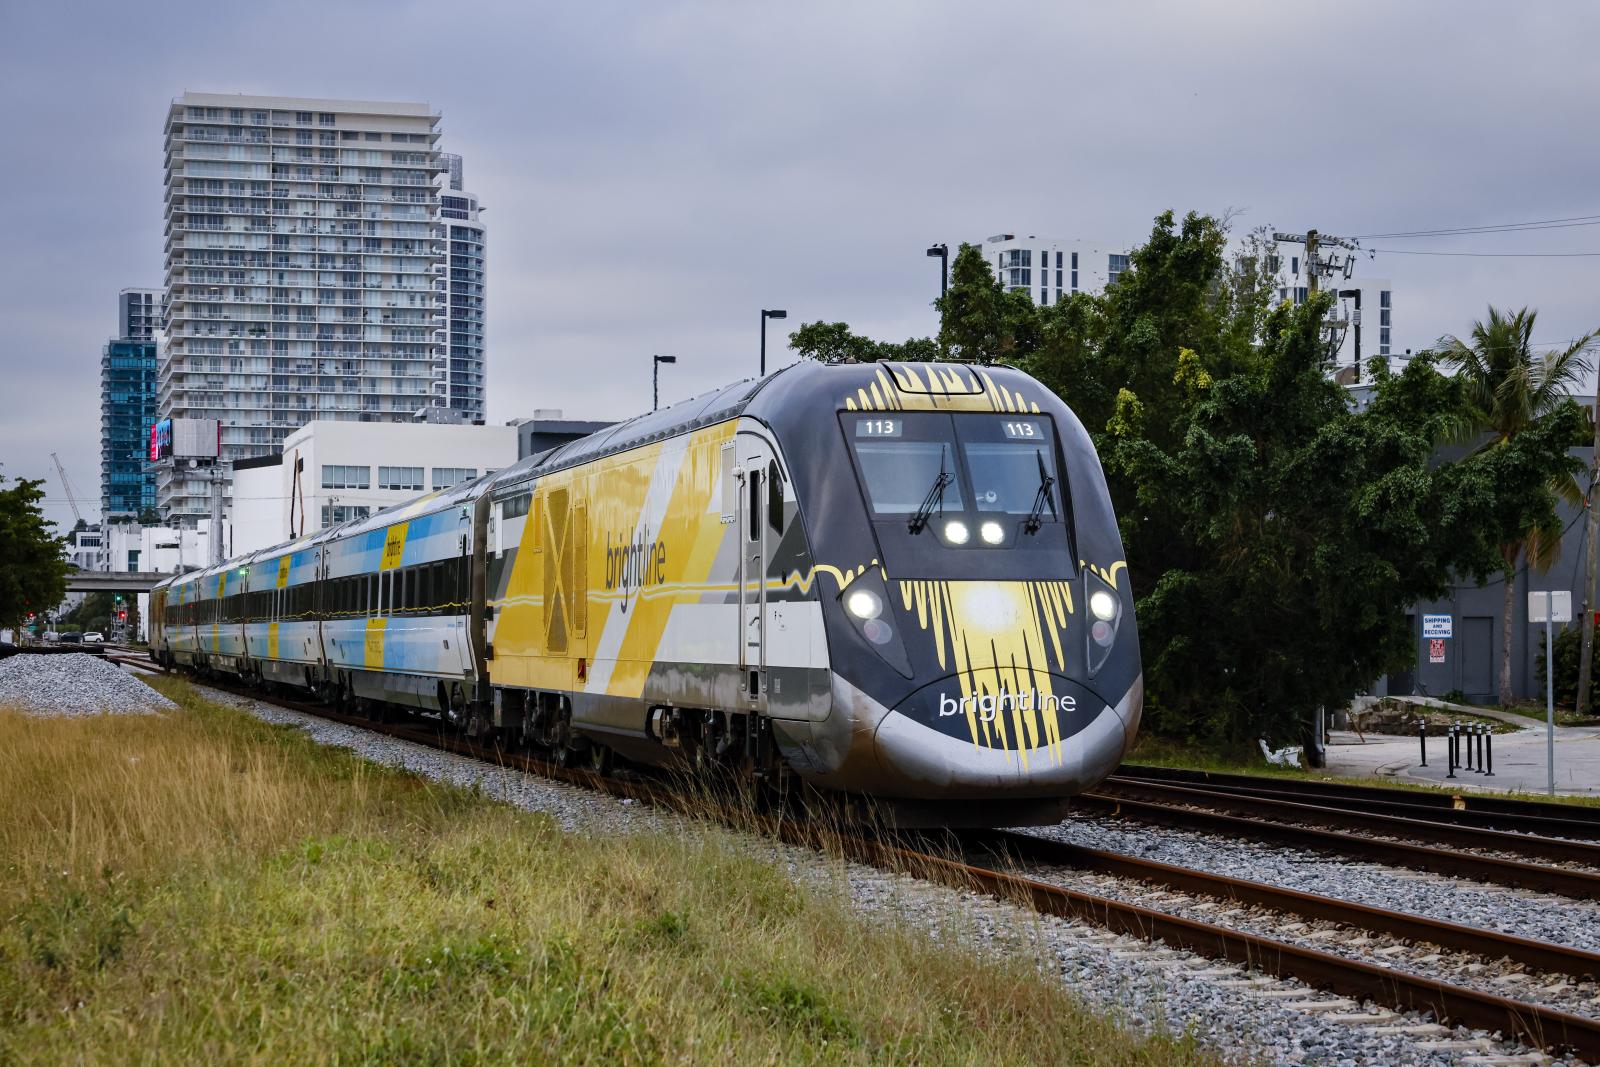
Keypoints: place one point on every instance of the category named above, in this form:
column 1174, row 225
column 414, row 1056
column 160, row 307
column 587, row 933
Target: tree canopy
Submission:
column 1277, row 527
column 33, row 574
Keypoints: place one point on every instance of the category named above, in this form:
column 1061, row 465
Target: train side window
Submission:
column 753, row 523
column 774, row 498
column 730, row 486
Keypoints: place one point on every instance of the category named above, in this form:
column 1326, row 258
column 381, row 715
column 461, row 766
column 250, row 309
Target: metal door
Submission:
column 753, row 548
column 1479, row 665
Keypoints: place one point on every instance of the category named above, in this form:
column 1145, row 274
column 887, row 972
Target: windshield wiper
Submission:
column 1041, row 498
column 935, row 497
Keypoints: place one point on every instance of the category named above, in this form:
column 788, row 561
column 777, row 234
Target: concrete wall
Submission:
column 1472, row 656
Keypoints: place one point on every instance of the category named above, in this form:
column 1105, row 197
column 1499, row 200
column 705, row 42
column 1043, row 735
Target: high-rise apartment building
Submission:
column 128, row 407
column 305, row 271
column 462, row 290
column 138, row 314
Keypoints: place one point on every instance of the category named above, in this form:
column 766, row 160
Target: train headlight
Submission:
column 1101, row 632
column 864, row 604
column 956, row 532
column 992, row 533
column 1103, row 605
column 866, row 608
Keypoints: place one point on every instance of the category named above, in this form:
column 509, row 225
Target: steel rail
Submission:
column 1537, row 825
column 1550, row 848
column 1539, row 1026
column 1542, row 1027
column 1460, row 800
column 1538, row 955
column 1478, row 868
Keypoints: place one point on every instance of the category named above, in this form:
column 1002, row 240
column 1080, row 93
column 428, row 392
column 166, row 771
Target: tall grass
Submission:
column 200, row 886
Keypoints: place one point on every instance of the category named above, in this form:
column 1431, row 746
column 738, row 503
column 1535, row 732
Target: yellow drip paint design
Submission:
column 1000, row 639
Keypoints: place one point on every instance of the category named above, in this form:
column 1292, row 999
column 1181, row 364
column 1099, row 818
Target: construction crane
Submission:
column 72, row 496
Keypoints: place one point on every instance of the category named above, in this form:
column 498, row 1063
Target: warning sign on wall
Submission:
column 1436, row 650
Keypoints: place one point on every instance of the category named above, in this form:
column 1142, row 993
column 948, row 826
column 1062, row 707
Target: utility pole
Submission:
column 1586, row 656
column 218, row 479
column 1324, row 257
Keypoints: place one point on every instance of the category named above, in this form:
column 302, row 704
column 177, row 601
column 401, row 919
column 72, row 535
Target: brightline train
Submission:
column 901, row 581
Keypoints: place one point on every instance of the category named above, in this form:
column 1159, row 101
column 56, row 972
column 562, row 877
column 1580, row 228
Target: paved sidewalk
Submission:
column 1519, row 759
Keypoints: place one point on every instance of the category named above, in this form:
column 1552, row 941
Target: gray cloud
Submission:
column 655, row 174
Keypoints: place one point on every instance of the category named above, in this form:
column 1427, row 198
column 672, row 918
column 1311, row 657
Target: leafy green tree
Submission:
column 1510, row 390
column 979, row 319
column 833, row 342
column 33, row 573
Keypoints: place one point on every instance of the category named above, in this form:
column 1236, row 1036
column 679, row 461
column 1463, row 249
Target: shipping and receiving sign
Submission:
column 1436, row 650
column 1437, row 626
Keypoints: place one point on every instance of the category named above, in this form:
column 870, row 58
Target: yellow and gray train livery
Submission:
column 896, row 580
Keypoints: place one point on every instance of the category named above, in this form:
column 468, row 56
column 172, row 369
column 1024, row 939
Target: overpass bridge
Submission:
column 113, row 581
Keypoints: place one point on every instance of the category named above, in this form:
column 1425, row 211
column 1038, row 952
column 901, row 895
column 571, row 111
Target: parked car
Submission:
column 94, row 637
column 51, row 635
column 75, row 637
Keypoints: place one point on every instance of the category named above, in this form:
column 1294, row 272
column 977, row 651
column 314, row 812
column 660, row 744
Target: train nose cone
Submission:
column 1055, row 740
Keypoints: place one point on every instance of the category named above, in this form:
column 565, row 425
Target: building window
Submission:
column 1044, row 297
column 1058, row 263
column 400, row 478
column 334, row 514
column 325, row 118
column 1383, row 298
column 1115, row 265
column 1294, row 265
column 302, row 118
column 339, row 476
column 1383, row 316
column 1300, row 294
column 1383, row 341
column 445, row 477
column 1058, row 272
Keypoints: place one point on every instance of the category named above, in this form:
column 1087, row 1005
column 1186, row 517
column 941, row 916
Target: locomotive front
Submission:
column 976, row 601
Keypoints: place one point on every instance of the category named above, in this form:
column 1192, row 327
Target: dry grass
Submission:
column 203, row 887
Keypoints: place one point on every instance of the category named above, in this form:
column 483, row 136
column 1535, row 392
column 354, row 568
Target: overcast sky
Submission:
column 656, row 173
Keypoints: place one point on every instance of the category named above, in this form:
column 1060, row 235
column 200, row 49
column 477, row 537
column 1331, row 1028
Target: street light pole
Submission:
column 655, row 378
column 942, row 251
column 765, row 315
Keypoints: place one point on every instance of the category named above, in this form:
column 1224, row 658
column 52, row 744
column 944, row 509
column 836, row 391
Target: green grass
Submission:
column 203, row 887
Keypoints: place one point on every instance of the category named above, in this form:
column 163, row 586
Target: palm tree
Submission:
column 1509, row 388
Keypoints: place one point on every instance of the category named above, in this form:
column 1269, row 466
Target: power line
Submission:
column 1486, row 255
column 1499, row 227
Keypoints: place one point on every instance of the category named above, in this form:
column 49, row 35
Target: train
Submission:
column 899, row 583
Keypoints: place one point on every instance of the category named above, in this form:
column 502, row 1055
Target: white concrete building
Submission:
column 305, row 270
column 330, row 472
column 1048, row 268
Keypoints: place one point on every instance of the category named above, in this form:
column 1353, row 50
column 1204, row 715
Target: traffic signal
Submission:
column 122, row 616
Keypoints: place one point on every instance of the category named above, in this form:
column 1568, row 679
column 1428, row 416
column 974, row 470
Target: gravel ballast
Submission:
column 1542, row 916
column 74, row 684
column 1147, row 987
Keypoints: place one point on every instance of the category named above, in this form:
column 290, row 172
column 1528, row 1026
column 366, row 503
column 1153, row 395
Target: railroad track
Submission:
column 1535, row 1024
column 1465, row 808
column 1239, row 816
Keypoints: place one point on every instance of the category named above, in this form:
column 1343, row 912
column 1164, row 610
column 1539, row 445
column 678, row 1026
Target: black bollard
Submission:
column 1488, row 748
column 1466, row 741
column 1483, row 731
column 1422, row 734
column 1450, row 750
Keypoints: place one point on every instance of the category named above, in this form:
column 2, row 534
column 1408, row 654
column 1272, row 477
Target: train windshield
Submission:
column 935, row 462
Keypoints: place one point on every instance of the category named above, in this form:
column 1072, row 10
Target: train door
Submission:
column 754, row 458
